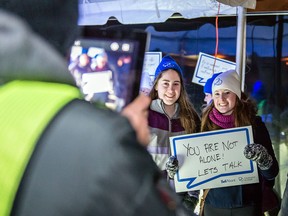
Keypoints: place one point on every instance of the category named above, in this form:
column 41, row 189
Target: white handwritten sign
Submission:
column 213, row 159
column 151, row 62
column 208, row 65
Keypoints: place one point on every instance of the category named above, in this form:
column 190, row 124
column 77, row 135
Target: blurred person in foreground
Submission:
column 61, row 155
column 231, row 108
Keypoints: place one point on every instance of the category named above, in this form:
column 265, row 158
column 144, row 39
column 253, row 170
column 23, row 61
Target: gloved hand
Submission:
column 259, row 154
column 172, row 166
column 190, row 202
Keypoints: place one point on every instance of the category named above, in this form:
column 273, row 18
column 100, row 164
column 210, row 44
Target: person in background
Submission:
column 59, row 154
column 207, row 89
column 100, row 62
column 84, row 64
column 80, row 67
column 171, row 113
column 231, row 108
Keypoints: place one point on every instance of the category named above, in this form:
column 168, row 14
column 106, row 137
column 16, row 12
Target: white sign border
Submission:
column 249, row 137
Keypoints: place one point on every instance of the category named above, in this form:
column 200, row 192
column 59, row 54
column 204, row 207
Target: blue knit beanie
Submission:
column 166, row 63
column 208, row 84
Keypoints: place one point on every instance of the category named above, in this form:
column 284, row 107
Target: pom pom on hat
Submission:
column 208, row 85
column 166, row 63
column 228, row 80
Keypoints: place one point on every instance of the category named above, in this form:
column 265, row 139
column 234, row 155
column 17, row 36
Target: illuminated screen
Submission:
column 107, row 66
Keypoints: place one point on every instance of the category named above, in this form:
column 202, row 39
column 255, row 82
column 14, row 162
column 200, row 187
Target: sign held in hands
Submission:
column 213, row 159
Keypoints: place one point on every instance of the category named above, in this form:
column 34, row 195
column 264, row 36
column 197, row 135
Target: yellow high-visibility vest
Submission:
column 26, row 108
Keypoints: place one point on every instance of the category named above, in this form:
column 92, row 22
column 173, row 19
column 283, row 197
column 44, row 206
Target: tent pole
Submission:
column 241, row 44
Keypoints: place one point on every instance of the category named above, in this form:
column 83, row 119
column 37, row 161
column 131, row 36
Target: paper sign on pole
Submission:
column 151, row 62
column 213, row 159
column 207, row 65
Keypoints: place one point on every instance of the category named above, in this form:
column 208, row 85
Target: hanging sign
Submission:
column 208, row 65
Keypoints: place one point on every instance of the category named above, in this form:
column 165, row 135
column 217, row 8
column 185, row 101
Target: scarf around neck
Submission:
column 223, row 121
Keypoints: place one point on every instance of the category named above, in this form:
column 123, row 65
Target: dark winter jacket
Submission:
column 238, row 196
column 162, row 127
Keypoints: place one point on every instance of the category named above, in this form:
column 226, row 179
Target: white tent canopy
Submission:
column 98, row 12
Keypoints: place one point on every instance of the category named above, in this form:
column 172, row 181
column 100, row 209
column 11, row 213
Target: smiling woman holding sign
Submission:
column 171, row 113
column 231, row 108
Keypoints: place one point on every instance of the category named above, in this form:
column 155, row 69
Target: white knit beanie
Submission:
column 228, row 80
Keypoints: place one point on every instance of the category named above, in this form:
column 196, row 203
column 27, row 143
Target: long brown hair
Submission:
column 189, row 118
column 244, row 113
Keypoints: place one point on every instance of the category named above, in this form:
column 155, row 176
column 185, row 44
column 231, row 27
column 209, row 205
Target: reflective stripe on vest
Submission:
column 26, row 108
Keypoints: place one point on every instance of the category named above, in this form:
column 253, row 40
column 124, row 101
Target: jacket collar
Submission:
column 157, row 105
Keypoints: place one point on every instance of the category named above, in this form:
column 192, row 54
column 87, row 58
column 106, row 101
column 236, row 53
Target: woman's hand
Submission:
column 259, row 154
